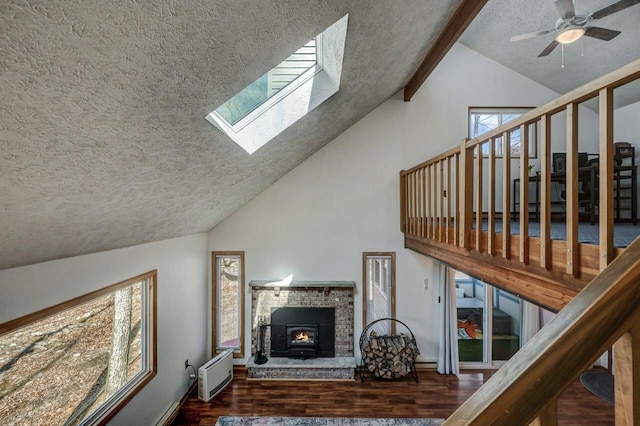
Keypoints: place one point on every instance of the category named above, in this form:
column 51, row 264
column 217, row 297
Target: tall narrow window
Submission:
column 379, row 293
column 228, row 302
column 79, row 362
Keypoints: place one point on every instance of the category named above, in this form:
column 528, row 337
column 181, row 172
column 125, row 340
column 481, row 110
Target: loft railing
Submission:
column 443, row 210
column 526, row 388
column 460, row 201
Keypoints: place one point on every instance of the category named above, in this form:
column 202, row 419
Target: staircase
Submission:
column 457, row 208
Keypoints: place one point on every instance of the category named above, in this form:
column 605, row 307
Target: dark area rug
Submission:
column 322, row 421
column 600, row 383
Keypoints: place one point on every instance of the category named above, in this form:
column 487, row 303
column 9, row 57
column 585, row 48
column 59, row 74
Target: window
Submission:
column 228, row 302
column 483, row 120
column 81, row 361
column 489, row 321
column 286, row 93
column 379, row 290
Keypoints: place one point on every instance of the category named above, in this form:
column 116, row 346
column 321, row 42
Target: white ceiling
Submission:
column 585, row 60
column 103, row 137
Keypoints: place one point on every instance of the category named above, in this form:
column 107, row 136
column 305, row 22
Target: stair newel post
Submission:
column 626, row 355
column 465, row 188
column 548, row 416
column 403, row 202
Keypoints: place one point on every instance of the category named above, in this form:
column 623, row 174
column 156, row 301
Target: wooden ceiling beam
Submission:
column 459, row 21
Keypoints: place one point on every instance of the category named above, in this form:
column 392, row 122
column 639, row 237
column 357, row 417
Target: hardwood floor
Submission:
column 435, row 396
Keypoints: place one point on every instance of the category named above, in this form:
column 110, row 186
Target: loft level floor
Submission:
column 623, row 235
column 434, row 396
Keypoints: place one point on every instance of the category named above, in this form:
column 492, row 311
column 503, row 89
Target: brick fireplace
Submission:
column 268, row 297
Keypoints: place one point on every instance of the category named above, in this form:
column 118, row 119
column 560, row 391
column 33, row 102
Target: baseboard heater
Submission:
column 215, row 375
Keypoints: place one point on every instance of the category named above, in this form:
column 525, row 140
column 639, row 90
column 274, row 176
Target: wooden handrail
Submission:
column 555, row 357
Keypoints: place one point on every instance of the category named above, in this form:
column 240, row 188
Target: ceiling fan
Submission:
column 573, row 24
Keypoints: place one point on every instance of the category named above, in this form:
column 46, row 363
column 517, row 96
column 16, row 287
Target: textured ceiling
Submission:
column 103, row 137
column 585, row 60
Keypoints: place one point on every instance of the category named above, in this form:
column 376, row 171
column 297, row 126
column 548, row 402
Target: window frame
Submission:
column 500, row 110
column 376, row 257
column 239, row 352
column 105, row 412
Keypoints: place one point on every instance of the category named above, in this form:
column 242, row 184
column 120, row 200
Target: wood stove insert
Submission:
column 302, row 332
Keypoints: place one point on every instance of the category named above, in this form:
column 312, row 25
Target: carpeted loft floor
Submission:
column 322, row 421
column 623, row 235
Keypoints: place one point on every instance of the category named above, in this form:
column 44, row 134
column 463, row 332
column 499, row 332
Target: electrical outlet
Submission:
column 186, row 364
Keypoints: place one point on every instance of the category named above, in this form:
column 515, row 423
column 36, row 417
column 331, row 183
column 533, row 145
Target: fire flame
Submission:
column 302, row 336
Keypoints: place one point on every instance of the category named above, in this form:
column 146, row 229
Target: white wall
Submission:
column 317, row 220
column 182, row 306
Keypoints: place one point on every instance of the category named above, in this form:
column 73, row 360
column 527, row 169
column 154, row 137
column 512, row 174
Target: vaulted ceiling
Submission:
column 103, row 137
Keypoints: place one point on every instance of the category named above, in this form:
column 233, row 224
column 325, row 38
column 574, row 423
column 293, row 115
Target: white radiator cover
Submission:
column 215, row 375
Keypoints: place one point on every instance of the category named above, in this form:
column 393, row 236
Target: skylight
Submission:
column 272, row 82
column 286, row 93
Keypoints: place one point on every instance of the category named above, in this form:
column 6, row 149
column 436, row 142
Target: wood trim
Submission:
column 545, row 192
column 214, row 301
column 506, row 197
column 479, row 197
column 491, row 219
column 524, row 192
column 365, row 256
column 549, row 291
column 459, row 21
column 627, row 383
column 605, row 210
column 572, row 189
column 141, row 381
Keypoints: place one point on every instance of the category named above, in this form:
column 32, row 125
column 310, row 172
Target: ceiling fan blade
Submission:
column 548, row 49
column 565, row 9
column 530, row 35
column 613, row 8
column 601, row 33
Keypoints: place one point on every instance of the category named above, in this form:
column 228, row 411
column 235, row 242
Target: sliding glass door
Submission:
column 489, row 322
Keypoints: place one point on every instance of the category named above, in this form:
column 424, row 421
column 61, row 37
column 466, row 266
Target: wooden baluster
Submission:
column 456, row 204
column 419, row 202
column 429, row 204
column 411, row 203
column 571, row 188
column 605, row 210
column 441, row 196
column 403, row 207
column 434, row 198
column 423, row 221
column 415, row 203
column 449, row 195
column 548, row 415
column 465, row 189
column 491, row 243
column 524, row 194
column 479, row 200
column 626, row 356
column 545, row 192
column 506, row 195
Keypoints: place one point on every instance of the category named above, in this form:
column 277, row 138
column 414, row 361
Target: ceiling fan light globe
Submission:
column 569, row 35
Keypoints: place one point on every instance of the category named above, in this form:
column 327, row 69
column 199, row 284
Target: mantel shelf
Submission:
column 303, row 284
